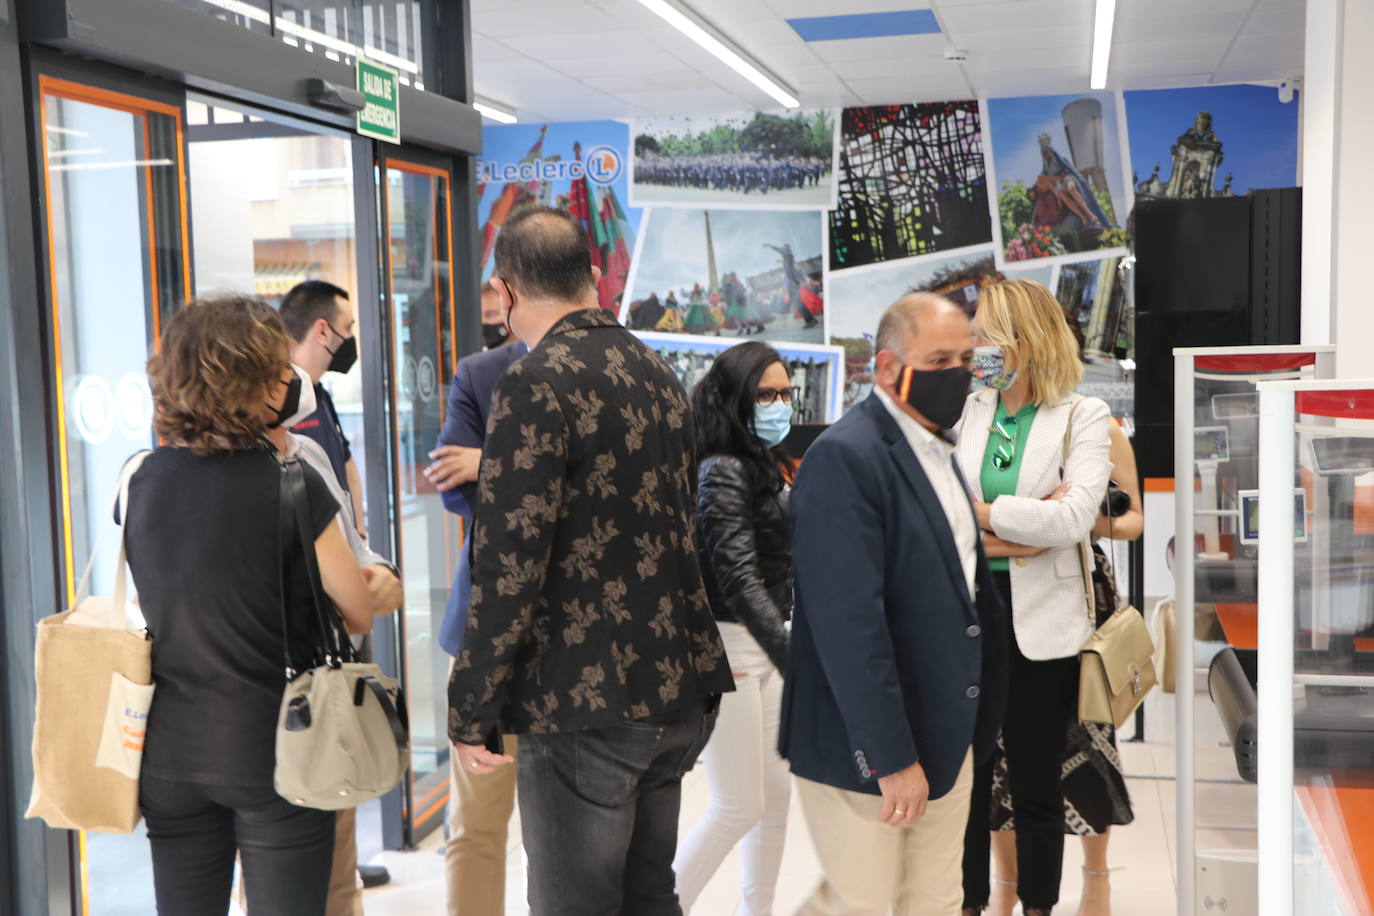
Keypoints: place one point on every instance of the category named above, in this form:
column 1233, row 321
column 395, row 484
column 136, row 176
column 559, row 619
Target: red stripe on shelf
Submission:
column 1255, row 362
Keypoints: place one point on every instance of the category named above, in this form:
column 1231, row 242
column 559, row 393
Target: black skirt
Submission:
column 1095, row 795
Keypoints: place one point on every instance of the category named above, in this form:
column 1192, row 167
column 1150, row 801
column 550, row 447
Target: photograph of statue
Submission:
column 1211, row 141
column 753, row 160
column 729, row 274
column 1059, row 165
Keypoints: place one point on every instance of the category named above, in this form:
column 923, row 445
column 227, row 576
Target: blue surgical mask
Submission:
column 990, row 369
column 772, row 422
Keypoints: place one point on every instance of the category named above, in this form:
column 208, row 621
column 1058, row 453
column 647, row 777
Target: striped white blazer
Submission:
column 1049, row 611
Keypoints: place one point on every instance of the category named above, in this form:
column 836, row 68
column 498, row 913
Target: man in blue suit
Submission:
column 896, row 680
column 479, row 806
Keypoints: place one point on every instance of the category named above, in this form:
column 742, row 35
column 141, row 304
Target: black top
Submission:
column 587, row 602
column 203, row 548
column 746, row 551
column 323, row 426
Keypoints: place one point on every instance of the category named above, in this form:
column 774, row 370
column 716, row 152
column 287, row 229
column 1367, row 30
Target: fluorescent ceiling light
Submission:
column 1102, row 42
column 499, row 113
column 697, row 30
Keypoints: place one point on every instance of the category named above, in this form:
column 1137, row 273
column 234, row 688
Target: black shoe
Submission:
column 374, row 875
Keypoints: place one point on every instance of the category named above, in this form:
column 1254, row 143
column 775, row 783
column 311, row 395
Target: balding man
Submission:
column 588, row 633
column 896, row 679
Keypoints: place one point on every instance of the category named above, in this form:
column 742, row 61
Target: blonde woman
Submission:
column 1035, row 500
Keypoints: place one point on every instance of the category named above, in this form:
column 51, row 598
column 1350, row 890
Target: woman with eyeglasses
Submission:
column 1036, row 456
column 743, row 409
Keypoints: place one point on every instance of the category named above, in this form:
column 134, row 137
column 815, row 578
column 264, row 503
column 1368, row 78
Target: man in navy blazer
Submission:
column 896, row 680
column 479, row 805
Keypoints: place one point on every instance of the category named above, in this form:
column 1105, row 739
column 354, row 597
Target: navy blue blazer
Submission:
column 465, row 424
column 891, row 660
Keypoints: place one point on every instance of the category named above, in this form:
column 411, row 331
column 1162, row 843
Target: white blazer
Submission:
column 1049, row 610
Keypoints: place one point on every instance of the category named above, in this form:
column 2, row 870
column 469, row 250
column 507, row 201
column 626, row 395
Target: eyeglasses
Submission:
column 1005, row 453
column 768, row 396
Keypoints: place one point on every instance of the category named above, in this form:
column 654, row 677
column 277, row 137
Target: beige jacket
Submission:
column 1049, row 611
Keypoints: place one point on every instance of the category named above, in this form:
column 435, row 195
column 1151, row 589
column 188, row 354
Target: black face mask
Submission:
column 939, row 394
column 493, row 335
column 346, row 354
column 289, row 405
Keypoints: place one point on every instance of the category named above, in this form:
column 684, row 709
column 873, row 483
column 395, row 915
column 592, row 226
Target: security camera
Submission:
column 1286, row 89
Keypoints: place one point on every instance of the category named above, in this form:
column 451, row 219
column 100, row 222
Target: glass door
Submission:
column 417, row 251
column 113, row 209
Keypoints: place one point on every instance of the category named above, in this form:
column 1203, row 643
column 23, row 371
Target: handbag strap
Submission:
column 395, row 712
column 1084, row 551
column 119, row 510
column 293, row 525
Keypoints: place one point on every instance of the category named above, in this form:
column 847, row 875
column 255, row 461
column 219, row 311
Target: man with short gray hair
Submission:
column 896, row 679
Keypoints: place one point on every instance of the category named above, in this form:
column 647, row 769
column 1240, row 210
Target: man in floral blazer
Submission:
column 588, row 631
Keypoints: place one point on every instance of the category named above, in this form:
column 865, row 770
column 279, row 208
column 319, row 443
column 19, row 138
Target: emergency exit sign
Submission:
column 381, row 114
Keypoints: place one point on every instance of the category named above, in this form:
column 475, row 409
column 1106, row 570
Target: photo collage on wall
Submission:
column 800, row 228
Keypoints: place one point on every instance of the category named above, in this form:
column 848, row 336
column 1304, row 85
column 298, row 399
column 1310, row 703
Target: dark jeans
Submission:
column 195, row 829
column 599, row 813
column 1042, row 703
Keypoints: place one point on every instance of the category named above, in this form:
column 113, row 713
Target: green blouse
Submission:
column 1001, row 481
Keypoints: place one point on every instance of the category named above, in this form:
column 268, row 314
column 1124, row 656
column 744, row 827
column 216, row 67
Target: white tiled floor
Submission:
column 1143, row 852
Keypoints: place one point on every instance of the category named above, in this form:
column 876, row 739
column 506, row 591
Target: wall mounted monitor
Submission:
column 1211, row 443
column 1249, row 516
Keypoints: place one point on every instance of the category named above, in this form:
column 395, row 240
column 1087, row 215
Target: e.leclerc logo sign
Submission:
column 381, row 114
column 602, row 165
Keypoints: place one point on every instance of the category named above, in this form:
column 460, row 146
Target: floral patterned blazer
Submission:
column 588, row 606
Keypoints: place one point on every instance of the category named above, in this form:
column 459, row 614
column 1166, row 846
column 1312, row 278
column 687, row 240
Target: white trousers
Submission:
column 750, row 784
column 872, row 869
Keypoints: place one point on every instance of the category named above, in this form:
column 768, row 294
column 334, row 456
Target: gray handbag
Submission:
column 342, row 735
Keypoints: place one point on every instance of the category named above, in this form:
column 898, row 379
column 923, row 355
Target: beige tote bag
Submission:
column 94, row 688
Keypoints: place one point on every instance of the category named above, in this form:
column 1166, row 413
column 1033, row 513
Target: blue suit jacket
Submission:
column 465, row 424
column 891, row 661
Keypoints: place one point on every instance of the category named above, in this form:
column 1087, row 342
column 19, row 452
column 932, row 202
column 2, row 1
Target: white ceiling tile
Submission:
column 1032, row 63
column 866, row 48
column 1013, row 15
column 895, row 69
column 1022, row 39
column 1146, row 67
column 575, row 19
column 666, row 82
column 1171, row 28
column 622, row 67
column 586, row 46
column 1289, row 19
column 886, row 92
column 1164, row 51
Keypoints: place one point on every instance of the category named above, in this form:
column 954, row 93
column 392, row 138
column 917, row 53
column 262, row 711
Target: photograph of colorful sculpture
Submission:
column 1061, row 176
column 729, row 273
column 859, row 297
column 1212, row 141
column 912, row 181
column 736, row 160
column 1093, row 294
column 577, row 166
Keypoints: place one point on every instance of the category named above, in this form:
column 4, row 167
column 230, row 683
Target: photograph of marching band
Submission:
column 729, row 273
column 778, row 162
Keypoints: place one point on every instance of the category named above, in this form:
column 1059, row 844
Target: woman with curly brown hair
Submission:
column 206, row 556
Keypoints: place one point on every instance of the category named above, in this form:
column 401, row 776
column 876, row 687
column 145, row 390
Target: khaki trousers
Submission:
column 871, row 869
column 479, row 810
column 345, row 893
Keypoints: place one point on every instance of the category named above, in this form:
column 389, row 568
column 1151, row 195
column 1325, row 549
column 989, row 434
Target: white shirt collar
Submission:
column 915, row 433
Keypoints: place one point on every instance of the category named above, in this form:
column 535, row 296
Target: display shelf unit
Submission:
column 1216, row 571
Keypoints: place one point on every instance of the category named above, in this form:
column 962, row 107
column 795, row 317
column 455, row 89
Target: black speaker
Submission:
column 1219, row 272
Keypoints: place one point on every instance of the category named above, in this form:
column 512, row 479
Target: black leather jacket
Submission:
column 746, row 552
